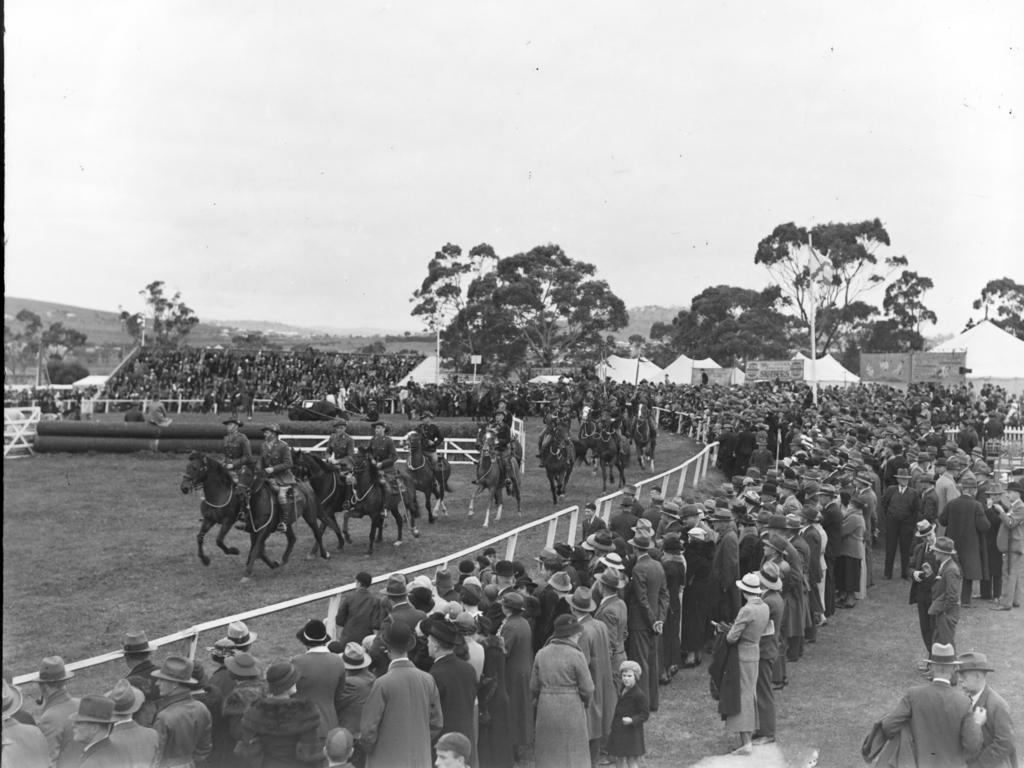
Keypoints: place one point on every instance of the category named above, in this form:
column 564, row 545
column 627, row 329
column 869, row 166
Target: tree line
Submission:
column 542, row 308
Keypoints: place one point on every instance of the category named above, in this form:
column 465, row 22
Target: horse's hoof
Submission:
column 309, row 556
column 415, row 533
column 231, row 551
column 274, row 564
column 245, row 580
column 485, row 525
column 326, row 555
column 398, row 543
column 205, row 561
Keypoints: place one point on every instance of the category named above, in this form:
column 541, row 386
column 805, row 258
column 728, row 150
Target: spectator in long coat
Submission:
column 515, row 633
column 23, row 744
column 278, row 730
column 495, row 746
column 561, row 686
column 647, row 605
column 725, row 569
column 965, row 521
column 58, row 706
column 247, row 689
column 596, row 649
column 455, row 680
column 945, row 603
column 925, row 565
column 674, row 564
column 612, row 612
column 631, row 712
column 698, row 597
column 322, row 681
column 402, row 715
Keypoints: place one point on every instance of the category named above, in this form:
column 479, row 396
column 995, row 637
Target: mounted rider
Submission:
column 430, row 440
column 553, row 420
column 341, row 448
column 238, row 456
column 276, row 461
column 503, row 446
column 383, row 456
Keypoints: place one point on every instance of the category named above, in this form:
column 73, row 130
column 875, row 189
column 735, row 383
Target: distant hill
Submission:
column 642, row 318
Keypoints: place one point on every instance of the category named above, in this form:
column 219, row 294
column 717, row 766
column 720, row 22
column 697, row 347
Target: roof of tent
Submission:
column 626, row 369
column 707, row 362
column 92, row 380
column 424, row 373
column 829, row 370
column 680, row 370
column 992, row 353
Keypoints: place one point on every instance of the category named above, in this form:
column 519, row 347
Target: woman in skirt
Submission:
column 850, row 553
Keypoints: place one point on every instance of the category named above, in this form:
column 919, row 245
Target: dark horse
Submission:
column 558, row 458
column 221, row 504
column 638, row 429
column 423, row 480
column 588, row 436
column 370, row 498
column 613, row 454
column 492, row 475
column 330, row 487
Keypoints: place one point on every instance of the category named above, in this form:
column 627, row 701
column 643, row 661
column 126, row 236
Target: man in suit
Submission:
column 23, row 743
column 997, row 749
column 138, row 657
column 137, row 743
column 402, row 714
column 647, row 607
column 945, row 484
column 323, row 675
column 58, row 706
column 900, row 512
column 360, row 612
column 965, row 521
column 946, row 731
column 455, row 679
column 1010, row 541
column 945, row 606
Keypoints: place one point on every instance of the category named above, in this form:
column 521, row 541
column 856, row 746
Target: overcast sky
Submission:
column 301, row 162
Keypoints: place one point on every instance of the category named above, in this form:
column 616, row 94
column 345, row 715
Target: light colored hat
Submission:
column 12, row 700
column 943, row 653
column 944, row 545
column 240, row 635
column 924, row 527
column 612, row 560
column 751, row 584
column 355, row 657
column 697, row 533
column 770, row 577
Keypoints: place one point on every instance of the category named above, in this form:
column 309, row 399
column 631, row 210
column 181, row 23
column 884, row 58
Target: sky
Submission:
column 301, row 162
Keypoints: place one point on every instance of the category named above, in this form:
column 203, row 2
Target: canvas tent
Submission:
column 680, row 370
column 92, row 380
column 993, row 356
column 830, row 372
column 424, row 373
column 631, row 369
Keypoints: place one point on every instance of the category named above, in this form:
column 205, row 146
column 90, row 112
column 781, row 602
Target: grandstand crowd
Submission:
column 563, row 657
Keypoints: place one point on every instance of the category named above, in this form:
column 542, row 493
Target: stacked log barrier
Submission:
column 129, row 437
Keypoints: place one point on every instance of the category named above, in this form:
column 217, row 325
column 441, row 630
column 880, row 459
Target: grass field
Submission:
column 97, row 544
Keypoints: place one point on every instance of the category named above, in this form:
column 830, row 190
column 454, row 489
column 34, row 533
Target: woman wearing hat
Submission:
column 562, row 686
column 494, row 742
column 850, row 553
column 698, row 597
column 674, row 565
column 277, row 730
column 248, row 688
column 515, row 632
column 745, row 633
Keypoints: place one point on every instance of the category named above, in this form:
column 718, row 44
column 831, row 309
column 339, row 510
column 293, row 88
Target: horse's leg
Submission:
column 203, row 528
column 487, row 514
column 317, row 524
column 397, row 514
column 497, row 501
column 344, row 525
column 225, row 526
column 374, row 522
column 553, row 482
column 330, row 521
column 289, row 534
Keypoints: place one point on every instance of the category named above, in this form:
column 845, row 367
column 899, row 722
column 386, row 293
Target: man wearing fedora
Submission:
column 596, row 646
column 965, row 521
column 613, row 613
column 946, row 589
column 183, row 724
column 997, row 736
column 945, row 729
column 455, row 679
column 925, row 565
column 138, row 657
column 54, row 720
column 552, row 600
column 23, row 744
column 647, row 608
column 139, row 745
column 247, row 689
column 358, row 682
column 402, row 715
column 725, row 568
column 1010, row 542
column 323, row 675
column 900, row 512
column 91, row 726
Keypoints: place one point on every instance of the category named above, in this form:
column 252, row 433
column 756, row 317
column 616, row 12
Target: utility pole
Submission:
column 814, row 313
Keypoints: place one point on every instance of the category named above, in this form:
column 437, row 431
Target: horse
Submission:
column 370, row 498
column 330, row 487
column 558, row 458
column 423, row 480
column 587, row 436
column 222, row 503
column 644, row 437
column 612, row 453
column 492, row 476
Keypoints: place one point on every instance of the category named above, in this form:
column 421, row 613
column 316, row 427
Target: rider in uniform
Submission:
column 237, row 456
column 341, row 450
column 503, row 446
column 383, row 455
column 276, row 460
column 430, row 441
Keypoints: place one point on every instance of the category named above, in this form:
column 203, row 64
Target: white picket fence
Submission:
column 696, row 467
column 20, row 431
column 1004, row 455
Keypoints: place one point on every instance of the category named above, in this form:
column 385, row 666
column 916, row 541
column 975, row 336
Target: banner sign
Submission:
column 775, row 370
column 564, row 370
column 938, row 367
column 885, row 367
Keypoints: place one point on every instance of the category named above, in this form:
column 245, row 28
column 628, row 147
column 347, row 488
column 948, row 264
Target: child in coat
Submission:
column 626, row 742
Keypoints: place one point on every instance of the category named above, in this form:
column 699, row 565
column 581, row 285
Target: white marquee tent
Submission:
column 424, row 373
column 630, row 369
column 830, row 372
column 993, row 355
column 680, row 370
